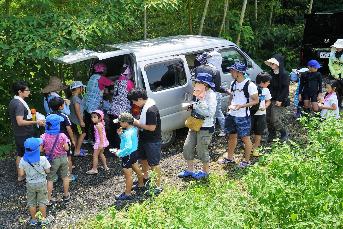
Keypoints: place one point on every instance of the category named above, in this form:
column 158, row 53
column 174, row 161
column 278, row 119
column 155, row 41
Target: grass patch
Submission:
column 296, row 186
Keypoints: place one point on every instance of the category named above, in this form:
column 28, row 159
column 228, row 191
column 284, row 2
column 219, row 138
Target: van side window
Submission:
column 167, row 74
column 230, row 56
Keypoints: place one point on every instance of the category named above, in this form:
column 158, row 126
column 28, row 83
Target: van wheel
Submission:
column 168, row 137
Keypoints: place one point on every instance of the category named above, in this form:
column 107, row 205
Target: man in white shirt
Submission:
column 244, row 94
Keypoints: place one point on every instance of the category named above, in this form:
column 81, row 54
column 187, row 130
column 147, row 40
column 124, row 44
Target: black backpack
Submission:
column 253, row 109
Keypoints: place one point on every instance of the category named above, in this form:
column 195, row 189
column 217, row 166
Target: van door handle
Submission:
column 186, row 97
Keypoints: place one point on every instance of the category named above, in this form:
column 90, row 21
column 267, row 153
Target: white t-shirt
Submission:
column 265, row 95
column 329, row 100
column 240, row 99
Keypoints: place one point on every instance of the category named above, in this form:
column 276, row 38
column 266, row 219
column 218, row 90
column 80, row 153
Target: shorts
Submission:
column 258, row 124
column 150, row 151
column 238, row 125
column 19, row 143
column 58, row 165
column 198, row 141
column 36, row 194
column 312, row 97
column 129, row 160
column 77, row 129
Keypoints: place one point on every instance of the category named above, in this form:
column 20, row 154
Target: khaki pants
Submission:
column 197, row 143
column 275, row 115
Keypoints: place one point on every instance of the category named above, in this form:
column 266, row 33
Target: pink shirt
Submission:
column 104, row 82
column 130, row 84
column 48, row 142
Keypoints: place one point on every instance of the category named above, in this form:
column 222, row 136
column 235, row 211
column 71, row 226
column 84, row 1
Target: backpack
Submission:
column 253, row 109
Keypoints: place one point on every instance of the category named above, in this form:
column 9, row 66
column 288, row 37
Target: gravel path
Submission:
column 91, row 194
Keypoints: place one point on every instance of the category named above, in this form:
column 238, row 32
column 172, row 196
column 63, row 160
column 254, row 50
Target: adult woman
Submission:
column 336, row 67
column 279, row 89
column 52, row 90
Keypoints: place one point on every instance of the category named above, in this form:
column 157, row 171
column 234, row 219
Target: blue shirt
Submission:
column 128, row 142
column 66, row 109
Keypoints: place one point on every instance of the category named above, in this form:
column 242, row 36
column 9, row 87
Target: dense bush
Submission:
column 297, row 186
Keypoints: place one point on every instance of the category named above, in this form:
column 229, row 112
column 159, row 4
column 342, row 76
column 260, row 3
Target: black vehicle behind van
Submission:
column 321, row 31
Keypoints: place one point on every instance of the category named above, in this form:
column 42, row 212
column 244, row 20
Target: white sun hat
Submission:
column 338, row 44
column 272, row 61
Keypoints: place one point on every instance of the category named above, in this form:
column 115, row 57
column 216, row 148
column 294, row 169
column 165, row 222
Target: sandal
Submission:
column 82, row 153
column 51, row 202
column 66, row 198
column 92, row 172
column 226, row 161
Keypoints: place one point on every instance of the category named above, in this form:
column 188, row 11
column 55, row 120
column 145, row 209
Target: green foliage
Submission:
column 5, row 150
column 296, row 186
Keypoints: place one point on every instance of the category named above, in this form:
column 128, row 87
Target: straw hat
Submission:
column 338, row 44
column 55, row 84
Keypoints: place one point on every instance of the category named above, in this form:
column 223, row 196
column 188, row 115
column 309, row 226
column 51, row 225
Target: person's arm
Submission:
column 151, row 121
column 46, row 165
column 252, row 101
column 320, row 83
column 71, row 134
column 21, row 122
column 284, row 90
column 143, row 126
column 207, row 109
column 21, row 172
column 218, row 83
column 77, row 108
column 268, row 102
column 127, row 147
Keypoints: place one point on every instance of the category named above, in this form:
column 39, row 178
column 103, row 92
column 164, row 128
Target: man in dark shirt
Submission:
column 21, row 119
column 150, row 134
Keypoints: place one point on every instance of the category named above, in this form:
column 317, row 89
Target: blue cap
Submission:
column 32, row 151
column 205, row 78
column 313, row 64
column 52, row 124
column 238, row 66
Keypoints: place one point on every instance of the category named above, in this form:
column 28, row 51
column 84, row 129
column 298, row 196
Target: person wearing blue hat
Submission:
column 197, row 142
column 55, row 146
column 36, row 168
column 311, row 87
column 244, row 94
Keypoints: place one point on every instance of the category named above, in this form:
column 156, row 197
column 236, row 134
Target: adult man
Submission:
column 336, row 67
column 21, row 119
column 149, row 149
column 244, row 94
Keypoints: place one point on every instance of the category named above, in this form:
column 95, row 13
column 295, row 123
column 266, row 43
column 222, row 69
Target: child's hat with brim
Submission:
column 32, row 149
column 338, row 44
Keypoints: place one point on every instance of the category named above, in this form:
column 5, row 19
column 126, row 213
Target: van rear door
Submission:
column 168, row 81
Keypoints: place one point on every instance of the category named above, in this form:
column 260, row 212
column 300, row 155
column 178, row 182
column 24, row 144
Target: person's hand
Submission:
column 300, row 97
column 73, row 143
column 320, row 105
column 82, row 124
column 41, row 122
column 278, row 103
column 235, row 107
column 120, row 131
column 135, row 122
column 67, row 101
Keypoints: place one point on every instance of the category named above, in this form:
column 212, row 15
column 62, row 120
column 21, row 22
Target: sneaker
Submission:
column 226, row 161
column 157, row 191
column 145, row 181
column 138, row 189
column 185, row 174
column 200, row 175
column 46, row 221
column 66, row 198
column 123, row 196
column 244, row 164
column 33, row 222
column 222, row 134
column 51, row 202
column 256, row 153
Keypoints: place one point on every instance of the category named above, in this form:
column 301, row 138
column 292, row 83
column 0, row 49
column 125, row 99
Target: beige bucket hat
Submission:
column 55, row 84
column 272, row 61
column 338, row 44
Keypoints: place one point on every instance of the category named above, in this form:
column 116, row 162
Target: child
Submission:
column 128, row 154
column 55, row 145
column 311, row 86
column 329, row 106
column 57, row 104
column 101, row 141
column 259, row 120
column 76, row 116
column 35, row 167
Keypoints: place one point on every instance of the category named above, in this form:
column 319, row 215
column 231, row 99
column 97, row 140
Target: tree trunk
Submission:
column 203, row 17
column 256, row 11
column 190, row 23
column 224, row 16
column 7, row 7
column 241, row 21
column 271, row 15
column 310, row 7
column 145, row 27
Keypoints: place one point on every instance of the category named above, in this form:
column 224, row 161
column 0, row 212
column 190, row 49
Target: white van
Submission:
column 163, row 67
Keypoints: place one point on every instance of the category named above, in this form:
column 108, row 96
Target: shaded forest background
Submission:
column 33, row 32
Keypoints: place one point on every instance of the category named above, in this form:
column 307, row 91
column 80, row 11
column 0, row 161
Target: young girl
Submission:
column 101, row 141
column 128, row 154
column 329, row 106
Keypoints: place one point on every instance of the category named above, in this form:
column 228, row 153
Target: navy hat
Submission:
column 205, row 78
column 202, row 58
column 238, row 66
column 32, row 151
column 52, row 124
column 313, row 64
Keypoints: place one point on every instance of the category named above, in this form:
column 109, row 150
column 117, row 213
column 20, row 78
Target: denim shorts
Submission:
column 129, row 160
column 238, row 125
column 150, row 151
